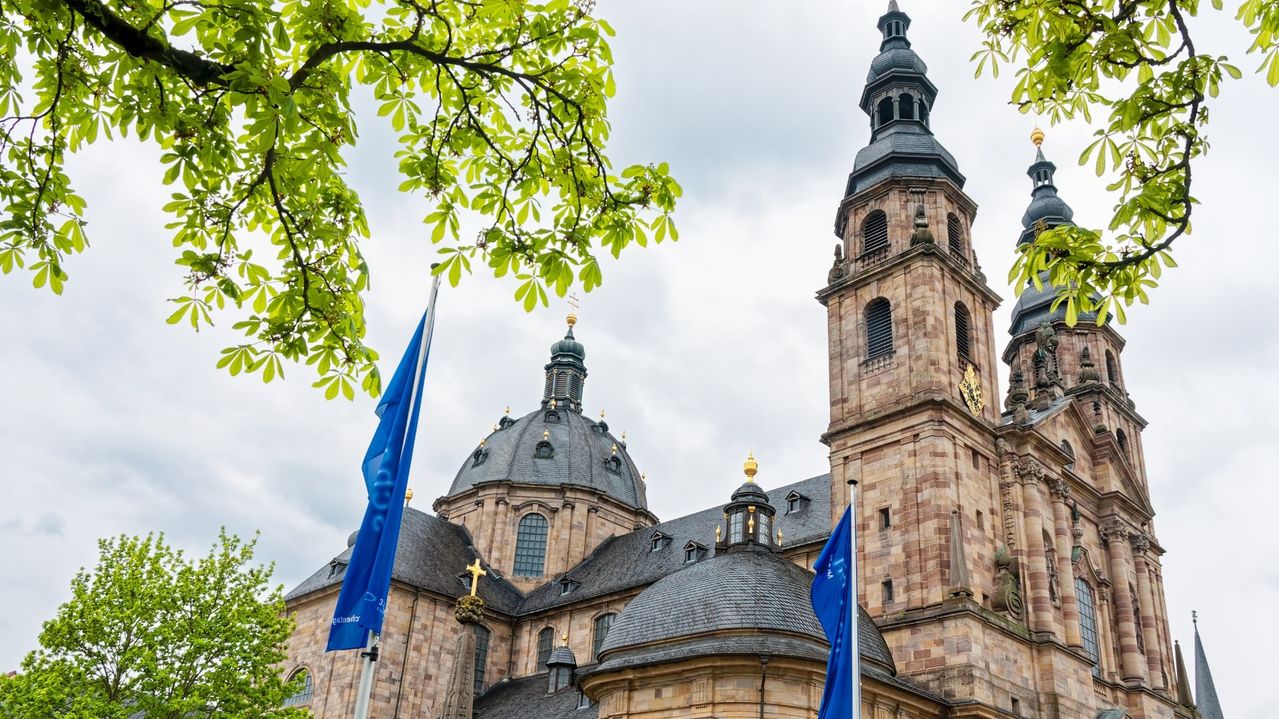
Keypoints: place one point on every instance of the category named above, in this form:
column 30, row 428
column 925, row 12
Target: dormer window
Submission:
column 551, row 417
column 504, row 422
column 694, row 552
column 613, row 464
column 796, row 502
column 568, row 586
column 660, row 541
column 544, row 450
column 478, row 458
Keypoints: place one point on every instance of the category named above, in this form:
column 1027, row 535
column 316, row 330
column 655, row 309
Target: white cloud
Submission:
column 114, row 422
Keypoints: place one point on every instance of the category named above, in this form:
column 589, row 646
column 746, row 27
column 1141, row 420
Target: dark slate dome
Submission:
column 562, row 656
column 1048, row 207
column 737, row 603
column 1034, row 306
column 581, row 454
column 895, row 58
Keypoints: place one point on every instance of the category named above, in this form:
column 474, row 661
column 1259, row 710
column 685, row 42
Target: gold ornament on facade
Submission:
column 750, row 467
column 970, row 390
column 546, row 434
column 779, row 536
column 408, row 496
column 476, row 571
column 719, row 533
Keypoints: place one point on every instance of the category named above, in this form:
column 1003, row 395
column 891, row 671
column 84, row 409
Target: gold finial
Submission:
column 1037, row 137
column 601, row 414
column 750, row 467
column 552, row 404
column 508, row 410
column 564, row 638
column 615, row 448
column 718, row 533
column 408, row 496
column 482, row 441
column 476, row 571
column 546, row 434
column 644, row 477
column 623, row 435
column 779, row 536
column 495, row 428
column 571, row 319
column 750, row 525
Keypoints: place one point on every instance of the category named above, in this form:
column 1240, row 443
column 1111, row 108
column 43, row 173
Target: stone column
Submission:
column 1149, row 625
column 1065, row 562
column 1040, row 602
column 1132, row 665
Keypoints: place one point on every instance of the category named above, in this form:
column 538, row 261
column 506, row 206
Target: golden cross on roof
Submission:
column 476, row 572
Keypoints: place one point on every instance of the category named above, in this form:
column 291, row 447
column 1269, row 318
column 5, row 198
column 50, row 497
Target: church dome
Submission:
column 554, row 446
column 1048, row 207
column 1036, row 305
column 892, row 59
column 735, row 603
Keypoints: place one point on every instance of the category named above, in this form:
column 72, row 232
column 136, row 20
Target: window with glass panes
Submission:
column 304, row 692
column 764, row 528
column 736, row 526
column 530, row 546
column 481, row 656
column 544, row 640
column 1088, row 623
column 602, row 624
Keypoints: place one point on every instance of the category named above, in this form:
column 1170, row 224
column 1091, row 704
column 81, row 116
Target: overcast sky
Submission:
column 112, row 421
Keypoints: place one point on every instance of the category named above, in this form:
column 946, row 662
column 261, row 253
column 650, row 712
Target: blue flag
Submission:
column 833, row 596
column 362, row 600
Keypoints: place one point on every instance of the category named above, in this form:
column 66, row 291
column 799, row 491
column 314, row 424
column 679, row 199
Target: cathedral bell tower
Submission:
column 912, row 358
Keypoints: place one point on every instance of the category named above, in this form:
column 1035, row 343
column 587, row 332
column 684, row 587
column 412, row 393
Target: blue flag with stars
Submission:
column 832, row 595
column 362, row 600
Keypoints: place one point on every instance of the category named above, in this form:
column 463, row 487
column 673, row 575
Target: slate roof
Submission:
column 740, row 590
column 526, row 698
column 581, row 445
column 430, row 555
column 902, row 149
column 627, row 561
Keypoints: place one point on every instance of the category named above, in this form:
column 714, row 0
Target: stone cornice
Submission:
column 966, row 275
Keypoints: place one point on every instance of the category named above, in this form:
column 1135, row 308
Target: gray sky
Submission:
column 112, row 421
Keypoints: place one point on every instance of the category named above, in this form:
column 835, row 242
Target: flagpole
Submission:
column 856, row 693
column 370, row 652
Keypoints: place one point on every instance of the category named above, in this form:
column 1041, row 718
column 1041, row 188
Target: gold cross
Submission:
column 476, row 572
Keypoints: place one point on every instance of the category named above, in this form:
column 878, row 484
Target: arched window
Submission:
column 1112, row 370
column 879, row 328
column 885, row 113
column 305, row 690
column 963, row 333
column 1122, row 439
column 875, row 232
column 545, row 639
column 923, row 112
column 481, row 656
column 1088, row 623
column 906, row 107
column 955, row 233
column 530, row 546
column 602, row 625
column 1070, row 452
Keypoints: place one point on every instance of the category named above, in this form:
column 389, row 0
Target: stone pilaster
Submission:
column 1065, row 567
column 1041, row 608
column 1132, row 664
column 1149, row 624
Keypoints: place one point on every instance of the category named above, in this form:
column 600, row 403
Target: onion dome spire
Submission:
column 566, row 372
column 1046, row 209
column 898, row 97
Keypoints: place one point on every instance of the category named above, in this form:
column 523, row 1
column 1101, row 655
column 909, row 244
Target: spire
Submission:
column 566, row 372
column 1208, row 705
column 1184, row 697
column 1046, row 209
column 898, row 97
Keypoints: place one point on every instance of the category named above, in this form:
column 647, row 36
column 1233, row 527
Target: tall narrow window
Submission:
column 602, row 625
column 906, row 107
column 1088, row 623
column 544, row 640
column 1070, row 452
column 923, row 112
column 481, row 656
column 305, row 690
column 886, row 591
column 963, row 333
column 885, row 519
column 530, row 546
column 875, row 232
column 955, row 234
column 1112, row 370
column 879, row 328
column 1122, row 439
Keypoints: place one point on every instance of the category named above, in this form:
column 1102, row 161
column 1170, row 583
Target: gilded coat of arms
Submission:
column 970, row 389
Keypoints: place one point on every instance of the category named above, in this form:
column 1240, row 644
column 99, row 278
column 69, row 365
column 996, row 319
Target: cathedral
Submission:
column 1009, row 566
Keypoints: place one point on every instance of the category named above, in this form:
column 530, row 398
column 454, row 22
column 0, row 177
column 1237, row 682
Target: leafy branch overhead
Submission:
column 499, row 107
column 1136, row 64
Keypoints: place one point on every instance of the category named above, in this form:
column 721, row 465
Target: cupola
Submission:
column 561, row 665
column 566, row 372
column 748, row 517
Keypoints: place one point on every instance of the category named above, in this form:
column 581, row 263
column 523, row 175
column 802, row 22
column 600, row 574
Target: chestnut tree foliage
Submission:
column 1138, row 72
column 499, row 107
column 150, row 632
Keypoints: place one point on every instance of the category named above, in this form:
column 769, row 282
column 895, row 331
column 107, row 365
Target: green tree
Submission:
column 500, row 108
column 149, row 630
column 1136, row 66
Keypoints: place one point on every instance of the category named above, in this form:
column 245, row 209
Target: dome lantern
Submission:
column 566, row 372
column 748, row 517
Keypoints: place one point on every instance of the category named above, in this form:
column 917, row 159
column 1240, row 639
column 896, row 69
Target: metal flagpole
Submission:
column 370, row 651
column 856, row 693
